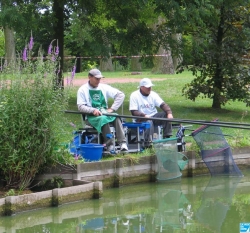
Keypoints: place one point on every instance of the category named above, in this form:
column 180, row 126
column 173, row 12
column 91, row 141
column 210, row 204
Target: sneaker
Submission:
column 148, row 145
column 124, row 147
column 111, row 149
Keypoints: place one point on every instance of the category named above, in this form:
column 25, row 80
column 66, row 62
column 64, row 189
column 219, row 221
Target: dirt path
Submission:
column 79, row 82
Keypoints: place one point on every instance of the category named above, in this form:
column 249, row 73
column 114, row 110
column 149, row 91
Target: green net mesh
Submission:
column 215, row 151
column 170, row 161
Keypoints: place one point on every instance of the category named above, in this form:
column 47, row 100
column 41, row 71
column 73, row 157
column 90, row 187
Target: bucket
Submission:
column 91, row 151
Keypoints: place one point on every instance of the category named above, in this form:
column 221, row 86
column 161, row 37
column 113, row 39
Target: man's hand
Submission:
column 170, row 116
column 110, row 110
column 97, row 112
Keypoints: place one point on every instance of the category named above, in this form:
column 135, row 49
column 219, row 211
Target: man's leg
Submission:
column 106, row 131
column 148, row 133
column 167, row 125
column 119, row 130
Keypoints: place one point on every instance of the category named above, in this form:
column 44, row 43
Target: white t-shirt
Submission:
column 83, row 96
column 145, row 104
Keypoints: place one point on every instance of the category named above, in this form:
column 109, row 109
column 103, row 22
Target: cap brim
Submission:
column 99, row 76
column 147, row 86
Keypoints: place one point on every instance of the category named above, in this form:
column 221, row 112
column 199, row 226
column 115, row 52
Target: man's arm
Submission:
column 89, row 110
column 165, row 107
column 118, row 100
column 85, row 109
column 137, row 113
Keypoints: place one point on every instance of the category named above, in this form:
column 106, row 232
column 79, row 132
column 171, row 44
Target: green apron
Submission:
column 98, row 101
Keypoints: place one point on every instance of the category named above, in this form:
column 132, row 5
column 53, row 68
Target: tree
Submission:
column 103, row 28
column 58, row 29
column 220, row 39
column 1, row 43
column 8, row 19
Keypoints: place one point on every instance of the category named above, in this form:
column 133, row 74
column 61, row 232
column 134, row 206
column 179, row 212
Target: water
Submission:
column 200, row 204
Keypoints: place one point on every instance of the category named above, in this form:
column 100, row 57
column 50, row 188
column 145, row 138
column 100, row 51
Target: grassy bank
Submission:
column 170, row 89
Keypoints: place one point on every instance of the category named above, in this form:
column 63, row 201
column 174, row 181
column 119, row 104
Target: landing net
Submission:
column 215, row 151
column 170, row 162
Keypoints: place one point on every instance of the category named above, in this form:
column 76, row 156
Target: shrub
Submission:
column 31, row 112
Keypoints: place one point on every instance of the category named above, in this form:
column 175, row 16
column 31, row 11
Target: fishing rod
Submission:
column 221, row 122
column 198, row 122
column 211, row 133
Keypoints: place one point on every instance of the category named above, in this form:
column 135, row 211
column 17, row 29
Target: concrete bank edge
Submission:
column 88, row 180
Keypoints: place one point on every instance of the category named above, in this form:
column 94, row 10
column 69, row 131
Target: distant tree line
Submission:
column 210, row 38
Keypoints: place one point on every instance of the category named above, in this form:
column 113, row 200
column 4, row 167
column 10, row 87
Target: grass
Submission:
column 170, row 89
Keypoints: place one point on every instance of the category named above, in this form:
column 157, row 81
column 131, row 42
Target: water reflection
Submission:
column 174, row 209
column 216, row 201
column 201, row 204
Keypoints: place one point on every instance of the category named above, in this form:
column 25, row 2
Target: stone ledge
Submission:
column 89, row 179
column 84, row 190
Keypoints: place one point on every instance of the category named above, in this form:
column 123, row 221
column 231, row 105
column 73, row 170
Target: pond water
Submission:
column 199, row 204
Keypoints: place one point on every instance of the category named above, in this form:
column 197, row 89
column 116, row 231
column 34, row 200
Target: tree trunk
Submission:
column 58, row 11
column 217, row 87
column 177, row 60
column 78, row 63
column 10, row 51
column 106, row 64
column 135, row 64
column 163, row 62
column 216, row 100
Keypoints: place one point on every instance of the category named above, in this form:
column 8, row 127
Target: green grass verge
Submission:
column 170, row 89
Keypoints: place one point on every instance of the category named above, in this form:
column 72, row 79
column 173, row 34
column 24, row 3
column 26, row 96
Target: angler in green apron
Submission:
column 92, row 100
column 101, row 123
column 98, row 101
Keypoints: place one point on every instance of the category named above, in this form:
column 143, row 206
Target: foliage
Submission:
column 62, row 156
column 54, row 182
column 219, row 39
column 1, row 43
column 11, row 192
column 31, row 116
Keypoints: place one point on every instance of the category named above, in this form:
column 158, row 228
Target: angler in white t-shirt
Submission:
column 143, row 103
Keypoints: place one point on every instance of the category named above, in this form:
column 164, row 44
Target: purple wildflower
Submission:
column 53, row 58
column 73, row 73
column 31, row 43
column 50, row 49
column 25, row 54
column 57, row 50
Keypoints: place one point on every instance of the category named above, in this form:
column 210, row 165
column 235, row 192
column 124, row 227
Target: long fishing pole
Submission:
column 221, row 122
column 175, row 119
column 211, row 133
column 198, row 122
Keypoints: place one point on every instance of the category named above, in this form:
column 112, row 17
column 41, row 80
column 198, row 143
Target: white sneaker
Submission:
column 124, row 147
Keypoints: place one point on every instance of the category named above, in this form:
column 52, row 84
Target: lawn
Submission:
column 170, row 89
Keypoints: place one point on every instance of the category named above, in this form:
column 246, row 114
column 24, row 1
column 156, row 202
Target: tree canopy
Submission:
column 209, row 38
column 219, row 35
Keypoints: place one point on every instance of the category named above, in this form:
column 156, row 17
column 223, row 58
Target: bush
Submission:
column 31, row 111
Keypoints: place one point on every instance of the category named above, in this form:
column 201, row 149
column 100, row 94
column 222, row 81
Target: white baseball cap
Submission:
column 146, row 82
column 96, row 73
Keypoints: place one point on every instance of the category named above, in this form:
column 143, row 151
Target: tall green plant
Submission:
column 30, row 116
